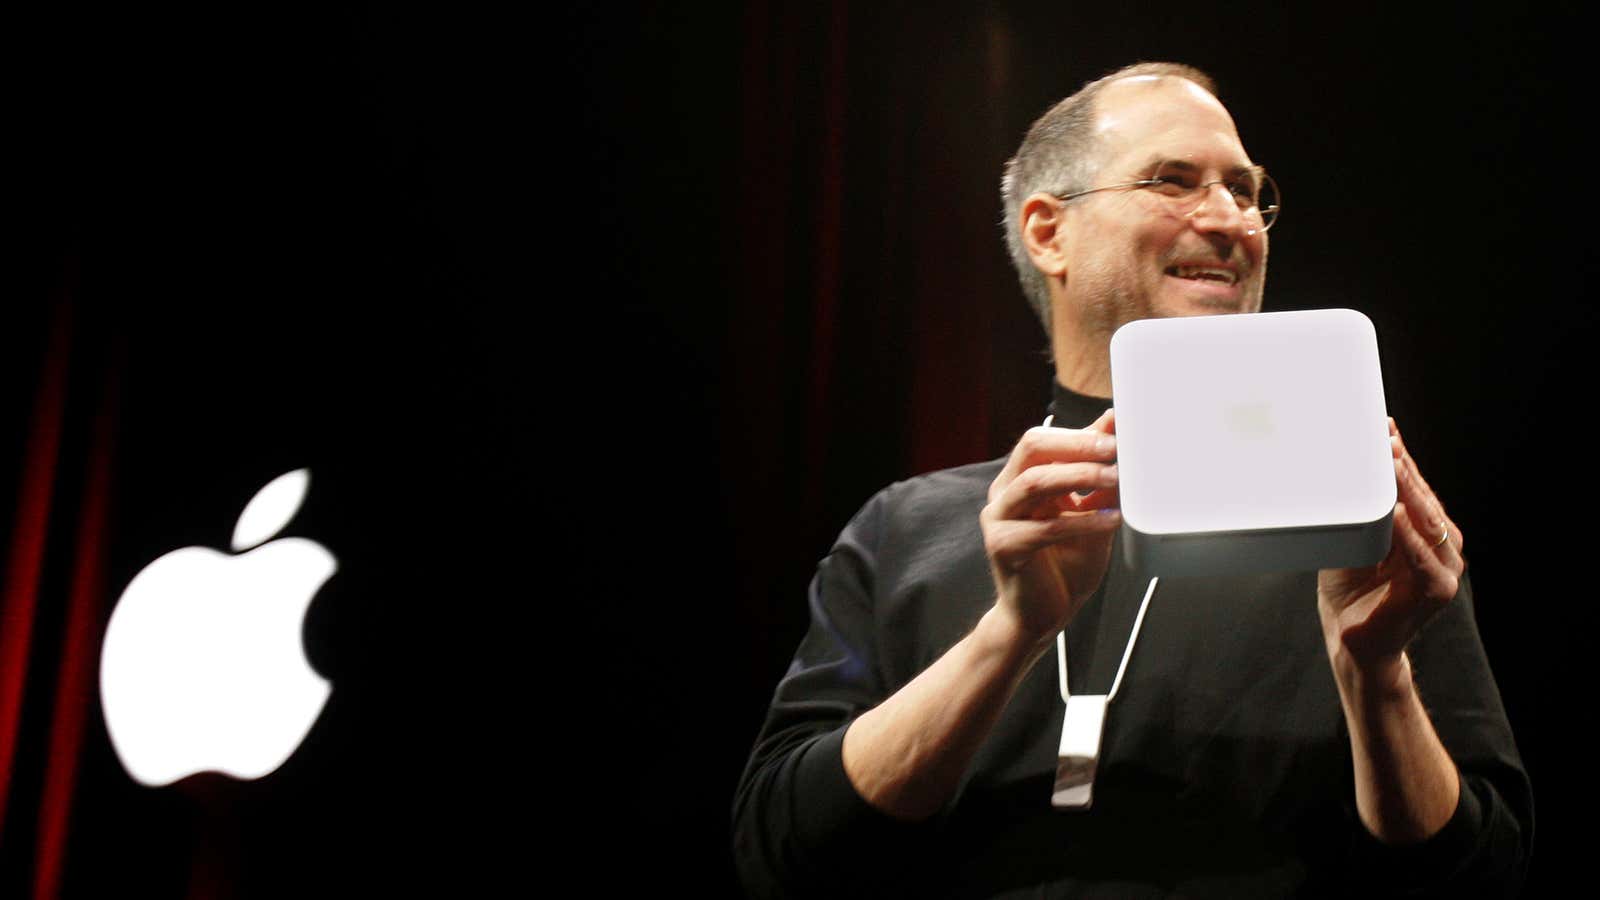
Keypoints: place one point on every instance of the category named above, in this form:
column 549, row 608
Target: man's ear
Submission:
column 1044, row 233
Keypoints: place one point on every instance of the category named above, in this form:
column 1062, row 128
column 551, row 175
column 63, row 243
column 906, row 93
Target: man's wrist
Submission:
column 1002, row 632
column 1373, row 683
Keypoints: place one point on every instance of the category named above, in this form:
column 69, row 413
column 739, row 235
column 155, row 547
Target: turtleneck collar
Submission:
column 1072, row 409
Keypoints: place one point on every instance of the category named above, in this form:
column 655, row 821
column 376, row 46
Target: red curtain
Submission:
column 54, row 605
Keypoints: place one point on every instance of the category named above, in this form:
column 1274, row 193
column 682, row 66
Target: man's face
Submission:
column 1128, row 257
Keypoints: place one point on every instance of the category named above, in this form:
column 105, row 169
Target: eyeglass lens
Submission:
column 1253, row 190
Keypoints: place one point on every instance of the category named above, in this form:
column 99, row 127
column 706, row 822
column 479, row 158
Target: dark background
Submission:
column 596, row 326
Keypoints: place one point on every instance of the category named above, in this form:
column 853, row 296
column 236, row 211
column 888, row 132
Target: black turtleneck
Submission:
column 1224, row 771
column 1075, row 410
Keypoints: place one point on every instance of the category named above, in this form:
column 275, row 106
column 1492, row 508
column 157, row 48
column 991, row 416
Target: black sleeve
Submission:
column 1483, row 850
column 799, row 827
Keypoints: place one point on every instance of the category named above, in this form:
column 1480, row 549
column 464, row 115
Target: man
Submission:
column 1325, row 733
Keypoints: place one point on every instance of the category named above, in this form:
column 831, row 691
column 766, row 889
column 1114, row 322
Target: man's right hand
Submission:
column 1048, row 550
column 1050, row 522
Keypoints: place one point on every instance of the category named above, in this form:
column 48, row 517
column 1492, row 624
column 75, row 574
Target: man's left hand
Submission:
column 1370, row 614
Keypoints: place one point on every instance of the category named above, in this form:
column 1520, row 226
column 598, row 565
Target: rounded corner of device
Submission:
column 1358, row 320
column 1370, row 539
column 1117, row 340
column 1127, row 328
column 1381, row 509
column 1136, row 545
column 1367, row 324
column 1131, row 517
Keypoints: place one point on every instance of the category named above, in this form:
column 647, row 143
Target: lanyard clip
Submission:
column 1080, row 751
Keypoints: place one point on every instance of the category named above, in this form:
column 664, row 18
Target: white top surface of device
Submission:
column 1251, row 422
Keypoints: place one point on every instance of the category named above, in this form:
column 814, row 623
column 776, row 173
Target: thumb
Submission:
column 1107, row 423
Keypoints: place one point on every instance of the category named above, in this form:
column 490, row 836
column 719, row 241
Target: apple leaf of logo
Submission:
column 270, row 509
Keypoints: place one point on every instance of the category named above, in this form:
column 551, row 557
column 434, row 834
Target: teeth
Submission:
column 1210, row 272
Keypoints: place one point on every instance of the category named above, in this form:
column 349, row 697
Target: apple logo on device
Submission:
column 203, row 668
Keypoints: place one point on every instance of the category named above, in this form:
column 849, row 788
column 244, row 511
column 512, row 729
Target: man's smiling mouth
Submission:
column 1205, row 273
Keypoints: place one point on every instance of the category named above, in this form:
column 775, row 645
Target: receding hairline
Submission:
column 1144, row 76
column 1108, row 105
column 1155, row 73
column 1150, row 82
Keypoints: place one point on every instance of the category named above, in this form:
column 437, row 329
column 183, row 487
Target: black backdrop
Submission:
column 596, row 326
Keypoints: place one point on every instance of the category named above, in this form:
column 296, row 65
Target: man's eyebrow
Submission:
column 1184, row 165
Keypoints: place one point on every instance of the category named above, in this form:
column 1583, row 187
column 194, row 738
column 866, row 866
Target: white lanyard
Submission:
column 1084, row 723
column 1085, row 720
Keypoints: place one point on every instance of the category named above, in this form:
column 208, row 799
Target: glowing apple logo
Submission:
column 203, row 667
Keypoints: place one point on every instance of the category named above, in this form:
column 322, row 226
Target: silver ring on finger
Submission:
column 1444, row 535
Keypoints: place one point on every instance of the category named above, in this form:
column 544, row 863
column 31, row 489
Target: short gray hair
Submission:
column 1058, row 156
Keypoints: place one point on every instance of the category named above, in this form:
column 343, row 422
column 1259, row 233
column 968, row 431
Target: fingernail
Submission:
column 1108, row 475
column 1105, row 443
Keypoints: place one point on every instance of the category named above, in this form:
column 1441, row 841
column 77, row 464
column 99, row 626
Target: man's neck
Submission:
column 1087, row 374
column 1082, row 351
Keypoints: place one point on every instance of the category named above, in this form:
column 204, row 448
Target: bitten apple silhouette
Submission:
column 203, row 668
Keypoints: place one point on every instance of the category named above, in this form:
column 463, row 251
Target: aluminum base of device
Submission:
column 1252, row 552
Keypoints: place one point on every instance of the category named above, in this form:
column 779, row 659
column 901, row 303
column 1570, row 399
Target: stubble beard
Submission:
column 1110, row 298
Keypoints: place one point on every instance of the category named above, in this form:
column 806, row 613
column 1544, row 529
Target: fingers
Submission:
column 1427, row 509
column 1106, row 423
column 1440, row 533
column 1059, row 484
column 1048, row 489
column 1419, row 577
column 1012, row 543
column 1413, row 586
column 1104, row 498
column 1423, row 533
column 1058, row 445
column 1437, row 578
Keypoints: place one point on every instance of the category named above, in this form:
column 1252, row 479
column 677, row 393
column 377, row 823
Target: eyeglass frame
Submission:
column 1204, row 190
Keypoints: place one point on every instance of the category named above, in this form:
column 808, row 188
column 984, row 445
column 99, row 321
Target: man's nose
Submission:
column 1219, row 212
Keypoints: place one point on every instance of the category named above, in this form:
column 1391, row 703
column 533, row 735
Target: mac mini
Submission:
column 1252, row 443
